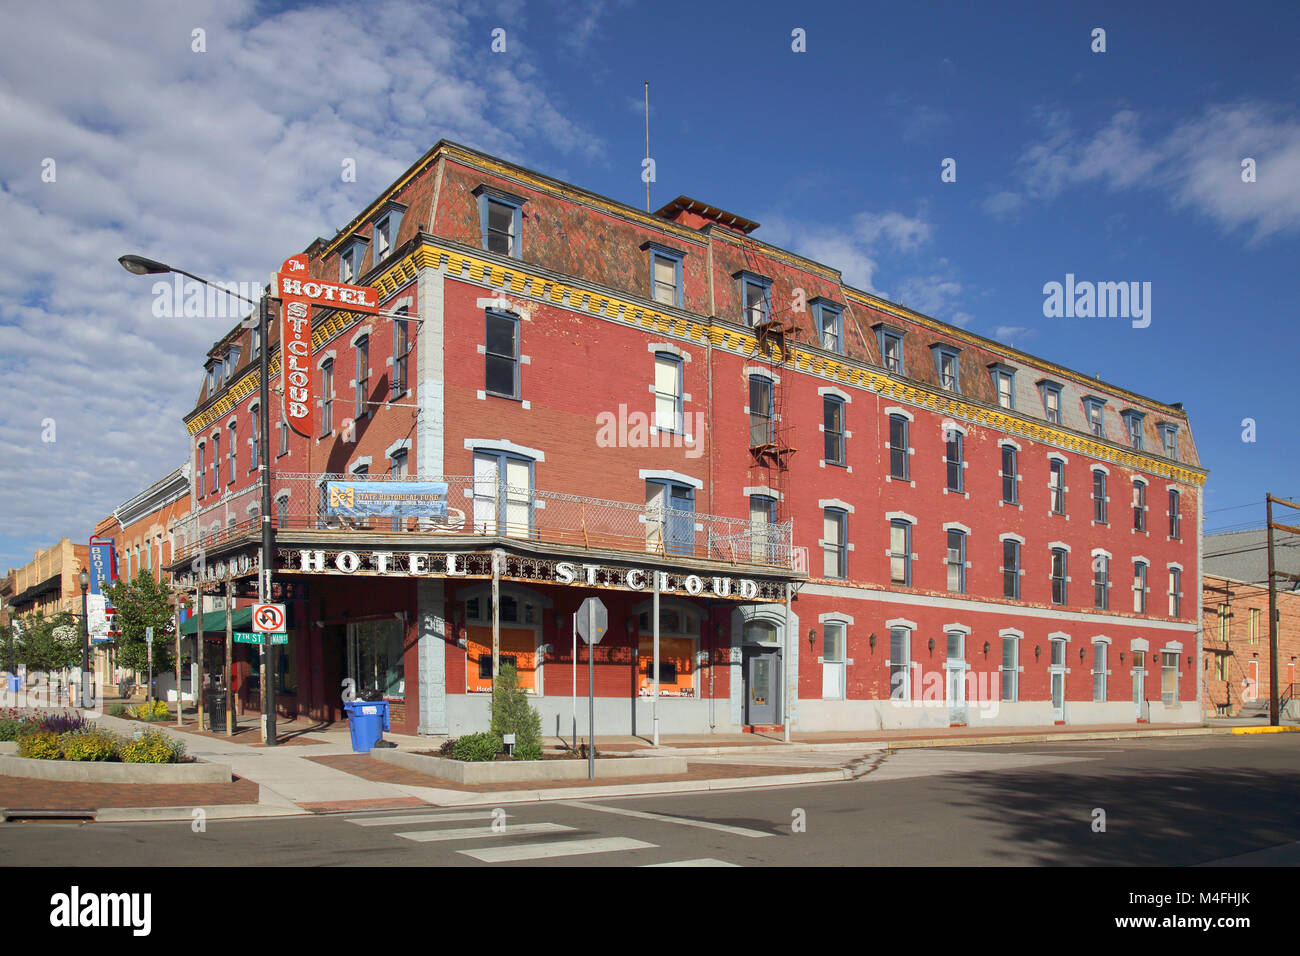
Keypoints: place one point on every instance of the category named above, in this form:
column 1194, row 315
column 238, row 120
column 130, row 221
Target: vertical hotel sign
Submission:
column 299, row 293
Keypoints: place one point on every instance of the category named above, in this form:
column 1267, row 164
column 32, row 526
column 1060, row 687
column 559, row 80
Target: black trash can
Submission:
column 215, row 704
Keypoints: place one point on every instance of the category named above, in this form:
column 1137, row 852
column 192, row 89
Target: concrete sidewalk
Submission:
column 292, row 783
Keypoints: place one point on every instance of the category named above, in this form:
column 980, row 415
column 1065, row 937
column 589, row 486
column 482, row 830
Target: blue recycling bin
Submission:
column 15, row 684
column 367, row 721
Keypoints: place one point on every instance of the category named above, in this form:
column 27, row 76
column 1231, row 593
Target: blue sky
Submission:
column 1114, row 166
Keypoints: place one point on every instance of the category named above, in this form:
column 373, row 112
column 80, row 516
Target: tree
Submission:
column 49, row 645
column 8, row 649
column 512, row 714
column 143, row 603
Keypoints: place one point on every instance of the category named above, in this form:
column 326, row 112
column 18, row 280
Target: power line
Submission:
column 1253, row 504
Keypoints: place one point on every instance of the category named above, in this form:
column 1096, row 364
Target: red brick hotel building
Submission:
column 855, row 516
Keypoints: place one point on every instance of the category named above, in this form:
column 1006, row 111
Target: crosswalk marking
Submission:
column 478, row 833
column 541, row 851
column 702, row 861
column 423, row 818
column 664, row 818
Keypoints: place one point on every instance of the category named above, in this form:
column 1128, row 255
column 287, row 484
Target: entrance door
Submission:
column 956, row 666
column 762, row 687
column 957, row 695
column 1058, row 695
column 1139, row 684
column 681, row 519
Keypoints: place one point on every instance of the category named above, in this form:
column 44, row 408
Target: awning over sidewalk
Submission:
column 214, row 621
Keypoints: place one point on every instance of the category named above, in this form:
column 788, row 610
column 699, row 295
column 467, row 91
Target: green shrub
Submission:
column 155, row 711
column 40, row 745
column 92, row 744
column 117, row 710
column 512, row 714
column 477, row 747
column 10, row 727
column 152, row 746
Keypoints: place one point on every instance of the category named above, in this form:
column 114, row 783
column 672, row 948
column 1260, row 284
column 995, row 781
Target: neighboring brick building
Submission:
column 1236, row 672
column 48, row 583
column 145, row 530
column 613, row 399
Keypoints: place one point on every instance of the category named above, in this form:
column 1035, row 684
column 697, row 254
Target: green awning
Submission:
column 215, row 621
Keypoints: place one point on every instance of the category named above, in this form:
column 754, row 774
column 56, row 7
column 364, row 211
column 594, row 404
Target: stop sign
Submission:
column 593, row 620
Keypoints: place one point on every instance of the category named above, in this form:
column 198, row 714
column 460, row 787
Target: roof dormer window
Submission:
column 945, row 363
column 350, row 260
column 1133, row 425
column 386, row 226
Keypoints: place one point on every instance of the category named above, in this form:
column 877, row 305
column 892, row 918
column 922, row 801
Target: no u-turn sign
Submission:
column 268, row 618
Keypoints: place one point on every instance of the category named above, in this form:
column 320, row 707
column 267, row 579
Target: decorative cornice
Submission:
column 520, row 280
column 901, row 312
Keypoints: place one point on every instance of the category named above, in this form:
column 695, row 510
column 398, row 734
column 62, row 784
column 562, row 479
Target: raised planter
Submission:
column 524, row 771
column 100, row 771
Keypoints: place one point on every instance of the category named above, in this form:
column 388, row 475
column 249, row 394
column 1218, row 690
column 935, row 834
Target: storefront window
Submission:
column 376, row 658
column 679, row 642
column 520, row 621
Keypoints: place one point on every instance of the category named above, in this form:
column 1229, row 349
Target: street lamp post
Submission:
column 139, row 265
column 84, row 579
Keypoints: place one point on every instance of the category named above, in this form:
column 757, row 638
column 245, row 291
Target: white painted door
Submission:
column 833, row 662
column 517, row 495
column 1139, row 685
column 1058, row 695
column 956, row 667
column 485, row 493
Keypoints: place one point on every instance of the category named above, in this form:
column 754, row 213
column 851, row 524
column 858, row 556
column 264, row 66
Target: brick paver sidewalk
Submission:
column 27, row 794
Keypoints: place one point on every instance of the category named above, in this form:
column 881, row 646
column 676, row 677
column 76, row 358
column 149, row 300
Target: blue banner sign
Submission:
column 388, row 499
column 103, row 569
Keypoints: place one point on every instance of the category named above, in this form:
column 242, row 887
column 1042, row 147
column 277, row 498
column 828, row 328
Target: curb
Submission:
column 224, row 811
column 791, row 748
column 458, row 798
column 1055, row 738
column 1264, row 730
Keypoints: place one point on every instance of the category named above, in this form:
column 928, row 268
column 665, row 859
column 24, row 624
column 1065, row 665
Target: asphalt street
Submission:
column 1164, row 801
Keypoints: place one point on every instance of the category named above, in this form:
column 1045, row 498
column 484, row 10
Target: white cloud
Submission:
column 854, row 251
column 933, row 295
column 222, row 163
column 1011, row 334
column 899, row 232
column 1196, row 163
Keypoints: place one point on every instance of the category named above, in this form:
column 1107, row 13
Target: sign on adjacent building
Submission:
column 395, row 499
column 103, row 564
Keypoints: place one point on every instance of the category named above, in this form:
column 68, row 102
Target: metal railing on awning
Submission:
column 478, row 506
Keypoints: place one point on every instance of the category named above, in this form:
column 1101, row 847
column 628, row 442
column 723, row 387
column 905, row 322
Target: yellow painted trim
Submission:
column 1266, row 730
column 553, row 187
column 520, row 281
column 935, row 325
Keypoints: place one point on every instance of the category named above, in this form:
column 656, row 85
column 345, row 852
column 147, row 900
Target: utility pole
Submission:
column 264, row 466
column 1274, row 716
